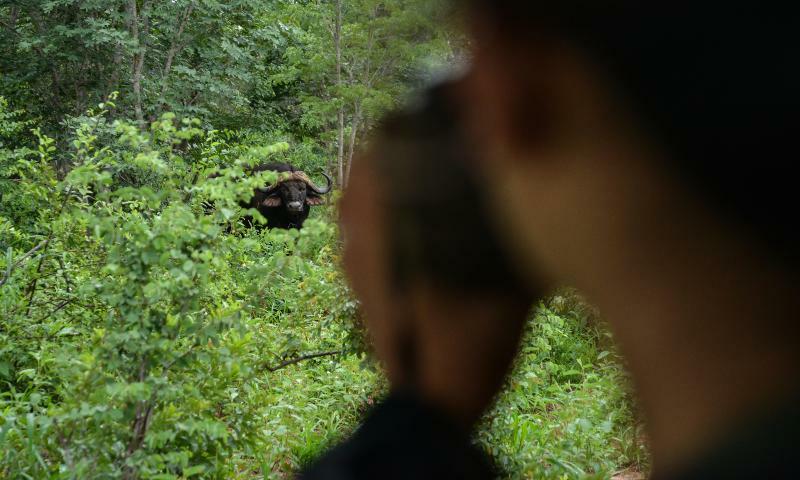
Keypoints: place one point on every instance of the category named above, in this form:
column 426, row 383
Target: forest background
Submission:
column 139, row 338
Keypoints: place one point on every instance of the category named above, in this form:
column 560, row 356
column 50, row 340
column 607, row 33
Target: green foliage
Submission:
column 139, row 339
column 144, row 333
column 244, row 64
column 563, row 413
column 18, row 207
column 197, row 57
column 133, row 327
column 383, row 44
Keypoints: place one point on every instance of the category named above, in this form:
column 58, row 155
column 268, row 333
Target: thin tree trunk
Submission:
column 57, row 88
column 81, row 95
column 340, row 153
column 116, row 61
column 35, row 282
column 337, row 40
column 329, row 159
column 357, row 105
column 175, row 48
column 134, row 17
column 353, row 136
column 12, row 18
column 113, row 79
column 141, row 422
column 136, row 81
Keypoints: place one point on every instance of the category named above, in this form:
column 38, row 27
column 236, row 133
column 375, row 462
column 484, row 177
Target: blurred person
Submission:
column 444, row 304
column 647, row 159
column 643, row 154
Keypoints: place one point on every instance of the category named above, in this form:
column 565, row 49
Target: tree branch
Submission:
column 353, row 136
column 303, row 358
column 175, row 48
column 139, row 36
column 22, row 259
column 55, row 310
column 65, row 275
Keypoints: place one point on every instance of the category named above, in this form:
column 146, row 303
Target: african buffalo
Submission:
column 286, row 203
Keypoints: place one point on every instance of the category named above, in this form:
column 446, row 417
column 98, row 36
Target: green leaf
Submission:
column 195, row 470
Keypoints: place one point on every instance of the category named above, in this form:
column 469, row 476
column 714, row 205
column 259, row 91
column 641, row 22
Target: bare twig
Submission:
column 56, row 309
column 190, row 193
column 35, row 282
column 171, row 364
column 303, row 358
column 65, row 275
column 46, row 245
column 22, row 259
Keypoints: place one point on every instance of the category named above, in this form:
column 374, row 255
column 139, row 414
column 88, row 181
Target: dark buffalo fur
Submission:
column 288, row 203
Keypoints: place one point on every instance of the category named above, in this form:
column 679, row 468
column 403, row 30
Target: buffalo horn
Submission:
column 269, row 189
column 322, row 191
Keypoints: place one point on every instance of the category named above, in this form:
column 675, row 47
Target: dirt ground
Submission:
column 628, row 475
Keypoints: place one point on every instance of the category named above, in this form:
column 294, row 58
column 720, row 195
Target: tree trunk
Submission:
column 12, row 18
column 337, row 41
column 353, row 136
column 113, row 79
column 340, row 153
column 141, row 422
column 134, row 17
column 329, row 160
column 57, row 89
column 81, row 93
column 366, row 81
column 174, row 49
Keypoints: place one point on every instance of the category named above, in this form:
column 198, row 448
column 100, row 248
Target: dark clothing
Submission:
column 765, row 447
column 404, row 439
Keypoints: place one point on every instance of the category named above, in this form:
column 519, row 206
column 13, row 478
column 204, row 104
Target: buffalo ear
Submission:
column 314, row 201
column 272, row 202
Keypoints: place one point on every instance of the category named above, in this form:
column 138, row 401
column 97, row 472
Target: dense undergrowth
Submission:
column 565, row 411
column 142, row 336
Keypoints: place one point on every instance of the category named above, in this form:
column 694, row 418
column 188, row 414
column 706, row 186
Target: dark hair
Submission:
column 716, row 83
column 440, row 226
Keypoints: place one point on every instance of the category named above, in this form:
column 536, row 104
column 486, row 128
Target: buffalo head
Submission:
column 294, row 191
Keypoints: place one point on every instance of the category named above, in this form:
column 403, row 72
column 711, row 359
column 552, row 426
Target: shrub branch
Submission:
column 303, row 358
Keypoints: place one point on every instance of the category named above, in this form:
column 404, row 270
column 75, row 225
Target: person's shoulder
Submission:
column 403, row 438
column 764, row 446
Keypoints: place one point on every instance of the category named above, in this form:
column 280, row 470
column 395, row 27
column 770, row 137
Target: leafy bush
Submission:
column 146, row 334
column 133, row 327
column 565, row 413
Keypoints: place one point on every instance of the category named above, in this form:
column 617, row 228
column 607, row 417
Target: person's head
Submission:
column 710, row 88
column 444, row 302
column 644, row 154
